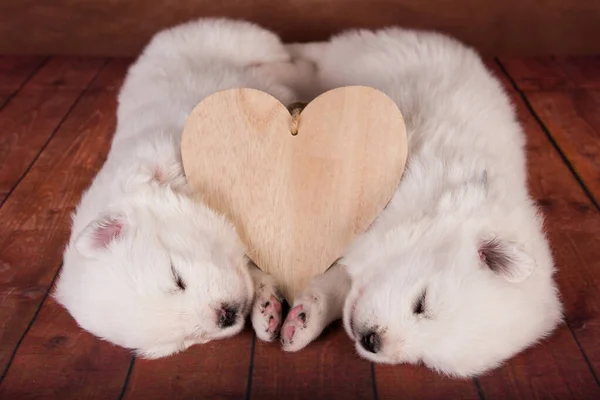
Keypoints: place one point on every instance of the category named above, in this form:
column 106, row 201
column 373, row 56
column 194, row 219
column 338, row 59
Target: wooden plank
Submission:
column 67, row 72
column 34, row 227
column 326, row 369
column 582, row 71
column 33, row 115
column 572, row 117
column 556, row 368
column 216, row 370
column 569, row 110
column 92, row 26
column 553, row 369
column 417, row 382
column 553, row 73
column 58, row 360
column 14, row 72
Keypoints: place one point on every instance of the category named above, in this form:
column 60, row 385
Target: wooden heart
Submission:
column 297, row 198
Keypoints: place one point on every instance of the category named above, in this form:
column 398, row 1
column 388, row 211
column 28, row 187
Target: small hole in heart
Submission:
column 295, row 109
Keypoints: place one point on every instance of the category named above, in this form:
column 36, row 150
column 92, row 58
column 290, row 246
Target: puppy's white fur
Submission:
column 456, row 272
column 146, row 267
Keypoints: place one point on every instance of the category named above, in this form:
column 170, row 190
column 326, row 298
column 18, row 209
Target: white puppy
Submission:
column 456, row 272
column 146, row 267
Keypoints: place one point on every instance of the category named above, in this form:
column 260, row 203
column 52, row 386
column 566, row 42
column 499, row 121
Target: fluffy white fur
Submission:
column 146, row 267
column 456, row 272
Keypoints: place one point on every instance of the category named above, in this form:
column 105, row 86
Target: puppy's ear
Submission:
column 100, row 233
column 506, row 259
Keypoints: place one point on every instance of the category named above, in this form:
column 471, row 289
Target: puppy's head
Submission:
column 156, row 273
column 451, row 293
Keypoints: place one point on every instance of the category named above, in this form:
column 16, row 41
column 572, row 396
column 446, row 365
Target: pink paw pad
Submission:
column 272, row 306
column 288, row 332
column 296, row 319
column 297, row 313
column 272, row 311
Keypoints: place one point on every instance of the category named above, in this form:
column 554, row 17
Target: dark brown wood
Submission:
column 35, row 221
column 66, row 72
column 34, row 114
column 58, row 360
column 569, row 110
column 14, row 72
column 582, row 71
column 109, row 28
column 557, row 367
column 418, row 382
column 552, row 73
column 216, row 370
column 573, row 118
column 326, row 369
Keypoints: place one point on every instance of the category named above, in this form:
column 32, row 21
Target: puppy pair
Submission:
column 455, row 273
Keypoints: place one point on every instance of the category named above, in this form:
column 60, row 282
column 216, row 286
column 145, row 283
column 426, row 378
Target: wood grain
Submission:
column 573, row 118
column 14, row 72
column 35, row 223
column 34, row 114
column 556, row 367
column 326, row 369
column 92, row 27
column 418, row 382
column 216, row 370
column 59, row 360
column 554, row 73
column 297, row 200
column 569, row 110
column 66, row 72
column 553, row 369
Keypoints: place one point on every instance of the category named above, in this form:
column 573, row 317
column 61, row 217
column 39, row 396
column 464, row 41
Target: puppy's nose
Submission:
column 227, row 316
column 370, row 341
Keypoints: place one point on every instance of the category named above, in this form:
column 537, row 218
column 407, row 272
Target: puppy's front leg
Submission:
column 320, row 304
column 266, row 310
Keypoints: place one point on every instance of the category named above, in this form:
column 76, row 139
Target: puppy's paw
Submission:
column 266, row 313
column 303, row 324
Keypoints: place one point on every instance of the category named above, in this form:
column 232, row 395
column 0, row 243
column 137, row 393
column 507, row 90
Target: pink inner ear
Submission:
column 482, row 256
column 105, row 232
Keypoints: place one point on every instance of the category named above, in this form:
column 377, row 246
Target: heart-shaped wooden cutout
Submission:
column 296, row 200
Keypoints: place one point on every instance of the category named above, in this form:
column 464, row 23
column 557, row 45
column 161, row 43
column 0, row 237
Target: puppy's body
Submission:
column 456, row 272
column 146, row 267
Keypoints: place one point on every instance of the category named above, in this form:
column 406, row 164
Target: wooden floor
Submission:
column 57, row 116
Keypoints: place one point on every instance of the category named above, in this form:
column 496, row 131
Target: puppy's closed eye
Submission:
column 179, row 282
column 420, row 306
